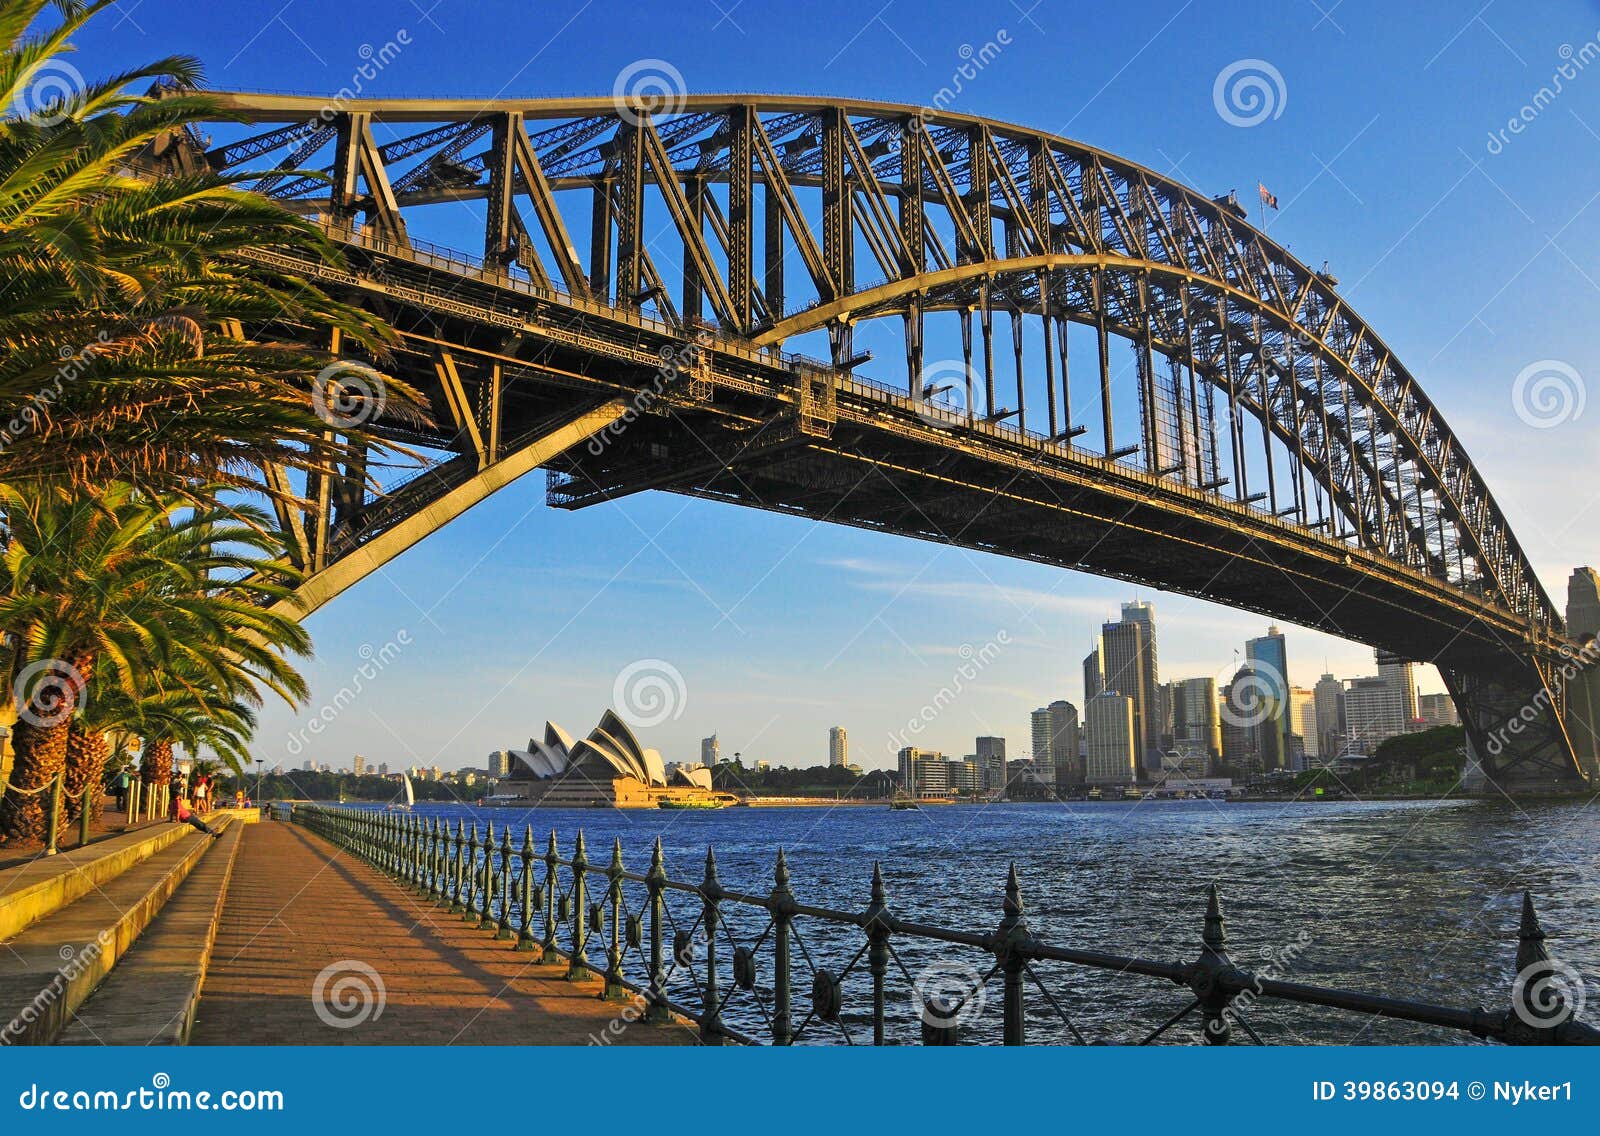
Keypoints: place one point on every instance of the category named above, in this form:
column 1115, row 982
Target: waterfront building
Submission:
column 1401, row 675
column 1110, row 758
column 1066, row 743
column 1094, row 678
column 1195, row 721
column 838, row 748
column 499, row 763
column 610, row 767
column 1305, row 745
column 1122, row 652
column 1153, row 722
column 710, row 751
column 924, row 772
column 1374, row 713
column 1268, row 657
column 991, row 757
column 1437, row 710
column 358, row 765
column 964, row 775
column 1329, row 696
column 1043, row 751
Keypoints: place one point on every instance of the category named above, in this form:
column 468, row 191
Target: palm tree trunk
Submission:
column 156, row 767
column 87, row 751
column 41, row 753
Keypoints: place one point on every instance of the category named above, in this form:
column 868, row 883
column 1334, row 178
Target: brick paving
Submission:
column 297, row 905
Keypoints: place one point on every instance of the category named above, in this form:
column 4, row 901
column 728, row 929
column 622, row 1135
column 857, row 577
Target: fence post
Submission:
column 525, row 939
column 503, row 930
column 711, row 1010
column 552, row 862
column 782, row 900
column 576, row 962
column 876, row 924
column 1206, row 974
column 1011, row 951
column 486, row 901
column 54, row 819
column 614, row 989
column 655, row 882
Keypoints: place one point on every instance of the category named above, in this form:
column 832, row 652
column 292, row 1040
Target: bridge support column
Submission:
column 1516, row 712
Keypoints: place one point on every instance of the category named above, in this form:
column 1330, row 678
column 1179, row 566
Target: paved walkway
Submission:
column 297, row 905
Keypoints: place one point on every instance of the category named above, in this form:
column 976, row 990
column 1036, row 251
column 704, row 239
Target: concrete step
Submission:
column 43, row 886
column 50, row 968
column 150, row 998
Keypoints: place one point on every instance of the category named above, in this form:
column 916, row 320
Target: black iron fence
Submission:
column 737, row 963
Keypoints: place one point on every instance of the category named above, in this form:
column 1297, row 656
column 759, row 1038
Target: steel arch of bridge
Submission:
column 765, row 206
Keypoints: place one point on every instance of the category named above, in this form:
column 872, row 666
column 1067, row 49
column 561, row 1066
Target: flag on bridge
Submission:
column 1268, row 198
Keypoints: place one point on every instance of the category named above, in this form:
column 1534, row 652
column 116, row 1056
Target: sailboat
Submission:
column 411, row 796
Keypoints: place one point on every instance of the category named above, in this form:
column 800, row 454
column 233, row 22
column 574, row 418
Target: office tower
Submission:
column 1094, row 679
column 964, row 775
column 358, row 765
column 1329, row 694
column 710, row 751
column 1110, row 759
column 1401, row 675
column 1237, row 714
column 1044, row 754
column 1373, row 713
column 991, row 757
column 1152, row 722
column 1122, row 654
column 383, row 769
column 310, row 766
column 838, row 748
column 1166, row 706
column 1268, row 657
column 1065, row 743
column 923, row 772
column 1437, row 710
column 1196, row 723
column 1305, row 746
column 1583, row 690
column 499, row 763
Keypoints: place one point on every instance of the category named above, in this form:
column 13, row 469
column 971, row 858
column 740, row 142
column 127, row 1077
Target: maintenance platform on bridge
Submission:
column 298, row 906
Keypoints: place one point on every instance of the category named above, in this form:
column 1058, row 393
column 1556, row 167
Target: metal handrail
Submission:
column 563, row 905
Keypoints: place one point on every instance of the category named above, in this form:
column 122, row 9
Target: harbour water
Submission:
column 1411, row 899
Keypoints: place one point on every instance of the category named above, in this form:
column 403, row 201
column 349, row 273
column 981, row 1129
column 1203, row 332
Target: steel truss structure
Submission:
column 1265, row 449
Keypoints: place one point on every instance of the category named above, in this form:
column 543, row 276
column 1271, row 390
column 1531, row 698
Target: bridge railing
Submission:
column 769, row 968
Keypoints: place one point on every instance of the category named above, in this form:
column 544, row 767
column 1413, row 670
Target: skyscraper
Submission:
column 1329, row 694
column 1195, row 720
column 1122, row 651
column 1094, row 679
column 923, row 772
column 1110, row 742
column 1401, row 675
column 1373, row 713
column 1268, row 657
column 710, row 751
column 1044, row 752
column 1304, row 745
column 1437, row 710
column 1065, row 742
column 838, row 748
column 1152, row 722
column 358, row 765
column 991, row 757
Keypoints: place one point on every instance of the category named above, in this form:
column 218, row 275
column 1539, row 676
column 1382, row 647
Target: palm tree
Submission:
column 136, row 343
column 163, row 600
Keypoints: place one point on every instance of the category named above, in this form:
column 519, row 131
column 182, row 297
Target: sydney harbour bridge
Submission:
column 1219, row 422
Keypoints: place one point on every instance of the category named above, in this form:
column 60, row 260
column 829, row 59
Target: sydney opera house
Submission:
column 607, row 768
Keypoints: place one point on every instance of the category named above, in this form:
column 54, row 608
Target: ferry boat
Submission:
column 696, row 802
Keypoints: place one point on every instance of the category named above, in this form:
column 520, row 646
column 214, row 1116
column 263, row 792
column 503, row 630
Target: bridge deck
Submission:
column 297, row 905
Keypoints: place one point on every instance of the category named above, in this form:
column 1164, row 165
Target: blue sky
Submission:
column 1472, row 255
